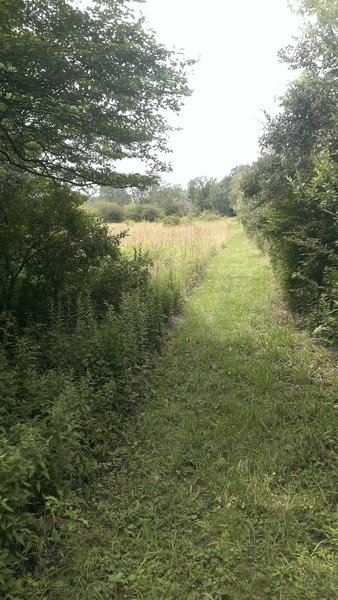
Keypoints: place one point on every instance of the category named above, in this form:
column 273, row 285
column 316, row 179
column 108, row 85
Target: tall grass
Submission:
column 69, row 384
column 179, row 253
column 225, row 486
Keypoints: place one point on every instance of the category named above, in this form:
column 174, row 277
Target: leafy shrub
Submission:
column 133, row 212
column 110, row 212
column 49, row 246
column 151, row 213
column 143, row 212
column 295, row 218
column 72, row 360
column 172, row 220
column 208, row 215
column 78, row 323
column 288, row 198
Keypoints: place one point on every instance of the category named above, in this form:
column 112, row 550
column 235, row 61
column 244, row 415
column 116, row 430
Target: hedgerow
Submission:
column 79, row 323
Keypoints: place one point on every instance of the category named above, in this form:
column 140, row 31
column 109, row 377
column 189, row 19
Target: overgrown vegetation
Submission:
column 84, row 306
column 179, row 252
column 80, row 320
column 204, row 197
column 225, row 485
column 288, row 198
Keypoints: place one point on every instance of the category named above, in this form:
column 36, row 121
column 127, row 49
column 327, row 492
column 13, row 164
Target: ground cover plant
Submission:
column 81, row 319
column 225, row 486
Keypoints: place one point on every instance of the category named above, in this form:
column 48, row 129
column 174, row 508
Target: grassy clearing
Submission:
column 225, row 487
column 179, row 253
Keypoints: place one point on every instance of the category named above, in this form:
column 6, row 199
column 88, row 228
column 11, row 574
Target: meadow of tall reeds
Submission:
column 178, row 253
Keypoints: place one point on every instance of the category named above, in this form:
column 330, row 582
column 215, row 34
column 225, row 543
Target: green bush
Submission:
column 151, row 213
column 133, row 212
column 143, row 212
column 288, row 198
column 79, row 322
column 172, row 220
column 208, row 215
column 110, row 212
column 49, row 246
column 295, row 218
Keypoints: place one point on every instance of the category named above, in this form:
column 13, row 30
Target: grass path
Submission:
column 225, row 487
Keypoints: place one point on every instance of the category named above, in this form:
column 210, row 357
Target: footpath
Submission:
column 226, row 486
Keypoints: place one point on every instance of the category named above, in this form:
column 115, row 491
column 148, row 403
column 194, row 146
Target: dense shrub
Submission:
column 151, row 213
column 288, row 198
column 78, row 323
column 133, row 212
column 49, row 247
column 172, row 220
column 208, row 215
column 143, row 212
column 110, row 212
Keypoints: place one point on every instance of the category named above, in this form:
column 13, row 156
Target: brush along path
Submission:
column 225, row 487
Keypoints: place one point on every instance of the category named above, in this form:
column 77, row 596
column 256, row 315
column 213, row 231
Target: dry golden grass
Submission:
column 211, row 234
column 180, row 251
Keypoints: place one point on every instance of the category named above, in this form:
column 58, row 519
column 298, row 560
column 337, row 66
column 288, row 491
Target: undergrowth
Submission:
column 73, row 361
column 225, row 485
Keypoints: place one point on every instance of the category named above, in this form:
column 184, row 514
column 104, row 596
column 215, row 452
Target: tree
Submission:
column 199, row 193
column 84, row 88
column 209, row 194
column 289, row 196
column 116, row 195
column 307, row 122
column 220, row 197
column 170, row 198
column 49, row 245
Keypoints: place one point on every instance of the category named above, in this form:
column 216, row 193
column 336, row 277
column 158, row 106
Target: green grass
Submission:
column 225, row 486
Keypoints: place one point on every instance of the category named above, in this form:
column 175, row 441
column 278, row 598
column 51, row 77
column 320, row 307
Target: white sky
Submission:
column 237, row 77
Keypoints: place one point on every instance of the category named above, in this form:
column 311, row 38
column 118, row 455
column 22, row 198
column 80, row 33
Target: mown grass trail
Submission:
column 225, row 487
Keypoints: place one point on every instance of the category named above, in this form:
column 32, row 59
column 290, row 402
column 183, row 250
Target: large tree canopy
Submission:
column 83, row 88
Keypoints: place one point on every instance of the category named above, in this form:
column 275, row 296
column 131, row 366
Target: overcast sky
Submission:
column 238, row 76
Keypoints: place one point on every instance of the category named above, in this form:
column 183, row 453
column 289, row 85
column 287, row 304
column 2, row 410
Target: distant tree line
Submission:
column 202, row 195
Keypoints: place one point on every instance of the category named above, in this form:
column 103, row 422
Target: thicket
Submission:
column 288, row 198
column 111, row 212
column 78, row 322
column 81, row 88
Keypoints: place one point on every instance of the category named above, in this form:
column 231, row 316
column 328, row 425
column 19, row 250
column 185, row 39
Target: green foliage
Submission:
column 79, row 321
column 199, row 193
column 151, row 213
column 207, row 215
column 170, row 198
column 110, row 212
column 119, row 196
column 172, row 220
column 288, row 198
column 218, row 488
column 210, row 195
column 143, row 212
column 93, row 85
column 49, row 246
column 220, row 197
